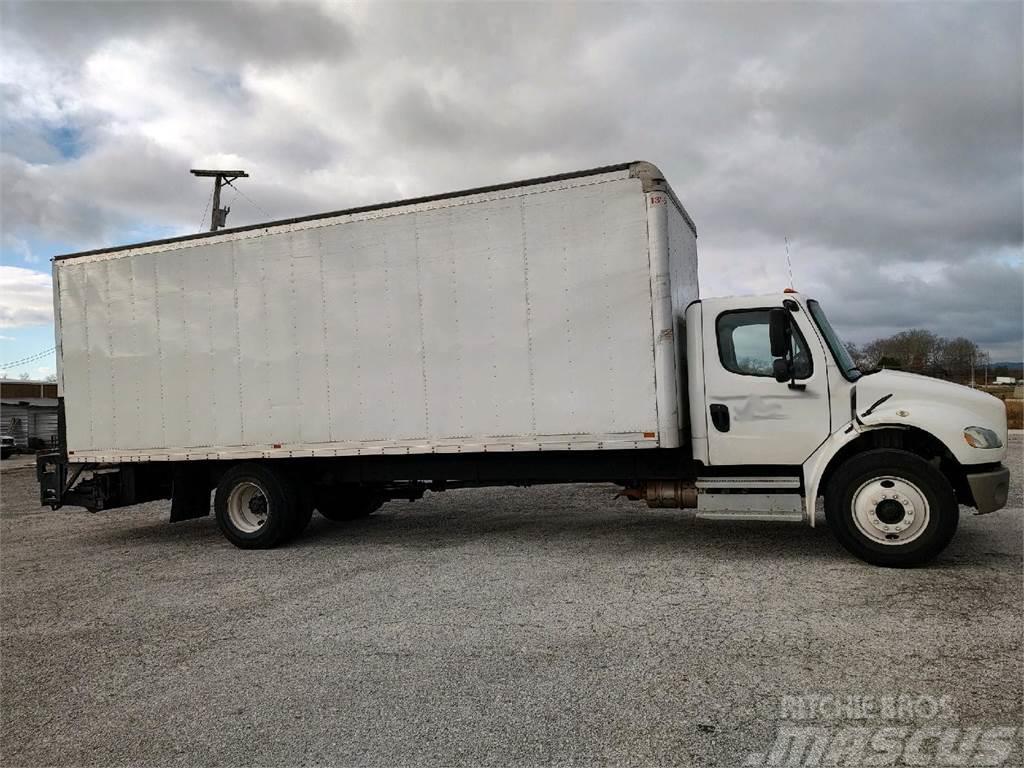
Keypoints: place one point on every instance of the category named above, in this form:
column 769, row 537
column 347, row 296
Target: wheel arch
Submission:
column 819, row 469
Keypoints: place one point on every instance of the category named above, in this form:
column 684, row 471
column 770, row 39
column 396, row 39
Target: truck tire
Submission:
column 891, row 508
column 341, row 504
column 256, row 507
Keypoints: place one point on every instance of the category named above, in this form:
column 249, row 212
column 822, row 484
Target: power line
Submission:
column 29, row 359
column 233, row 198
column 202, row 221
column 251, row 201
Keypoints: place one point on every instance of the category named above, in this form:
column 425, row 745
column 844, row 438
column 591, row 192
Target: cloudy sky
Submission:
column 885, row 141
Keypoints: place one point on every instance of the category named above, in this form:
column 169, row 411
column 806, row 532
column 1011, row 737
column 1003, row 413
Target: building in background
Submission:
column 28, row 413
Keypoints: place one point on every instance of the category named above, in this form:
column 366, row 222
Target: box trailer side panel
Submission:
column 682, row 249
column 513, row 320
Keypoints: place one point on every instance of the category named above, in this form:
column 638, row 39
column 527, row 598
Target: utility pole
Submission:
column 219, row 216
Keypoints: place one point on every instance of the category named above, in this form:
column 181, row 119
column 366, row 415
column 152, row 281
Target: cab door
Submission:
column 751, row 417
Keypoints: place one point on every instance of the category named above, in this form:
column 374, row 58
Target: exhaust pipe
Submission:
column 674, row 494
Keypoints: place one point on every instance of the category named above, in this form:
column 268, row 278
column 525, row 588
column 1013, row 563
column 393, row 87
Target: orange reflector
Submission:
column 648, row 434
column 277, row 445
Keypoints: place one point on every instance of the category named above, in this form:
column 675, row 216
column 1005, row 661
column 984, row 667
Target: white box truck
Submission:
column 542, row 331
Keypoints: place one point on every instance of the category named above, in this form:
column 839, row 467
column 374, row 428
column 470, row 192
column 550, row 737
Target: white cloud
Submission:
column 26, row 297
column 883, row 136
column 19, row 247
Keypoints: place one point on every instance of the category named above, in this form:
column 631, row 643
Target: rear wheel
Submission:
column 341, row 503
column 255, row 506
column 891, row 508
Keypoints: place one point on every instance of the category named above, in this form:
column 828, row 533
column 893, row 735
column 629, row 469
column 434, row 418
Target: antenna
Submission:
column 789, row 264
column 219, row 216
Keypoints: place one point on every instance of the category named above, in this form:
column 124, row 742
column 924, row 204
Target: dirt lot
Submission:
column 518, row 627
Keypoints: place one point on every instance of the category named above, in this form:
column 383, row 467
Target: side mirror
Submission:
column 782, row 370
column 778, row 333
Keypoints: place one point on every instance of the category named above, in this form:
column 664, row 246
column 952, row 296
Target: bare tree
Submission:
column 957, row 356
column 913, row 350
column 921, row 351
column 855, row 353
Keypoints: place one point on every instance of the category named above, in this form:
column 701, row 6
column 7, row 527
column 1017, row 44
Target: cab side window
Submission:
column 744, row 345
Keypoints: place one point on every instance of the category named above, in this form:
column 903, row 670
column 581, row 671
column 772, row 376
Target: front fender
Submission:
column 943, row 422
column 818, row 462
column 815, row 466
column 946, row 423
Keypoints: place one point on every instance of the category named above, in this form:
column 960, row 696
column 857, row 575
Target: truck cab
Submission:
column 893, row 453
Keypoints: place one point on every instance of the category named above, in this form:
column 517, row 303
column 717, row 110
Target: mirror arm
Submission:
column 780, row 326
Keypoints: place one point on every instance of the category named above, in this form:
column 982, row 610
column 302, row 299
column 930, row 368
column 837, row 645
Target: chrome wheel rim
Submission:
column 890, row 510
column 248, row 507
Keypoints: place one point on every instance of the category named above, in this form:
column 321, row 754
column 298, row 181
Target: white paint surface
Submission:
column 769, row 423
column 511, row 320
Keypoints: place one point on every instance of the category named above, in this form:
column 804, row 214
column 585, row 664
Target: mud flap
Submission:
column 190, row 494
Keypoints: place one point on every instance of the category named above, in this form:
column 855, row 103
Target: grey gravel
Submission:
column 480, row 627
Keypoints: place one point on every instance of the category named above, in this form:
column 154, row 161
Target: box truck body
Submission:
column 517, row 319
column 542, row 331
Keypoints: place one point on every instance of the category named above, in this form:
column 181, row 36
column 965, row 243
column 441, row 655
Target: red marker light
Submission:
column 789, row 290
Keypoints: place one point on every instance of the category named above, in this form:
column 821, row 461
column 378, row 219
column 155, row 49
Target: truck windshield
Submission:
column 839, row 352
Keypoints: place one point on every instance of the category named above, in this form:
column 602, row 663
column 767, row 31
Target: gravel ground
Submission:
column 478, row 627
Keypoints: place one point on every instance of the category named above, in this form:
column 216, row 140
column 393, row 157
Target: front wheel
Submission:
column 891, row 508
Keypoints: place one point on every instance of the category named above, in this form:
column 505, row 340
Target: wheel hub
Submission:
column 247, row 507
column 890, row 510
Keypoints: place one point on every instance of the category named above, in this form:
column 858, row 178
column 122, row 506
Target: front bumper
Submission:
column 990, row 489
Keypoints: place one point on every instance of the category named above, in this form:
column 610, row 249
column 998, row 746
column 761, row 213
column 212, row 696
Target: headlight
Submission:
column 979, row 437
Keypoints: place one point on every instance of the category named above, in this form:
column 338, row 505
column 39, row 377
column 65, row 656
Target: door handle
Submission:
column 720, row 417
